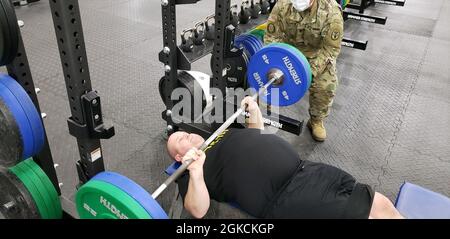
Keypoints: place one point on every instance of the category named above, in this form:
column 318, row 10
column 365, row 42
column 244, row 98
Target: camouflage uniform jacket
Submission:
column 316, row 32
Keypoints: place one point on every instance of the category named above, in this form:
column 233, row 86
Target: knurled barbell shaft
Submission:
column 205, row 144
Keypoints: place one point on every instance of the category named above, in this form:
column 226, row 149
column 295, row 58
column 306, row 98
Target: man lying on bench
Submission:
column 263, row 175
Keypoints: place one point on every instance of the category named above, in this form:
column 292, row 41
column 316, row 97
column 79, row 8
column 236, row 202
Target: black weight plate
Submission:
column 236, row 68
column 9, row 33
column 162, row 87
column 187, row 81
column 12, row 190
column 10, row 137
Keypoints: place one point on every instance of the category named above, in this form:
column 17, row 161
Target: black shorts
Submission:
column 321, row 191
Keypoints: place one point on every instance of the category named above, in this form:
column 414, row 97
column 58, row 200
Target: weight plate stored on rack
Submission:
column 9, row 33
column 197, row 93
column 42, row 191
column 51, row 191
column 21, row 117
column 189, row 80
column 16, row 201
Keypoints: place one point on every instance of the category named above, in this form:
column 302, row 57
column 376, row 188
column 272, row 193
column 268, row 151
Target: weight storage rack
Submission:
column 364, row 4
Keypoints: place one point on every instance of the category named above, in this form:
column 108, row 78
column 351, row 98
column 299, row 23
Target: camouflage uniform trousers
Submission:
column 322, row 92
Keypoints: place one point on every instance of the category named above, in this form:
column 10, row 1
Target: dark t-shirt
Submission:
column 247, row 168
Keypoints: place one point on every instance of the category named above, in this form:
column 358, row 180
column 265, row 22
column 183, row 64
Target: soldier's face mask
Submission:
column 301, row 5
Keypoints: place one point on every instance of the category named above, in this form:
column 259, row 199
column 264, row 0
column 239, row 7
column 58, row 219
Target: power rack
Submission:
column 220, row 48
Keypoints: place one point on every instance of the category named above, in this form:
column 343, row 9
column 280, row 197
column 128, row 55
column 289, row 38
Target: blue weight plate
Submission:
column 30, row 110
column 135, row 191
column 258, row 41
column 248, row 43
column 295, row 71
column 241, row 41
column 255, row 43
column 238, row 41
column 300, row 55
column 21, row 120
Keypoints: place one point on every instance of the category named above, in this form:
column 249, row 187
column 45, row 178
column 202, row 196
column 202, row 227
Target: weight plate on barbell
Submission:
column 135, row 191
column 236, row 67
column 27, row 118
column 303, row 58
column 239, row 42
column 295, row 72
column 249, row 43
column 101, row 200
column 9, row 33
column 256, row 42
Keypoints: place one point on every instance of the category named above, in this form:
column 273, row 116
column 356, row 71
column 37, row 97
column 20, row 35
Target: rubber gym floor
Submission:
column 390, row 121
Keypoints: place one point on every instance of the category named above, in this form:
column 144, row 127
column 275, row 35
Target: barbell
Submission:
column 277, row 71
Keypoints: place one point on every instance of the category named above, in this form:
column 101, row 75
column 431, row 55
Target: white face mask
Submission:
column 301, row 5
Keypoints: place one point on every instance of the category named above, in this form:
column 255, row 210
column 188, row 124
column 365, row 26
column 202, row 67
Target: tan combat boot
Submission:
column 317, row 130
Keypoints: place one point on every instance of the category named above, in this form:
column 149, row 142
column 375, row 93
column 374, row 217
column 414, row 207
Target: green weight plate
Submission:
column 135, row 191
column 48, row 185
column 52, row 212
column 101, row 200
column 258, row 33
column 42, row 189
column 51, row 191
column 34, row 191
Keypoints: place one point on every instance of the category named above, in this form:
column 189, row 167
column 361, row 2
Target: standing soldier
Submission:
column 315, row 27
